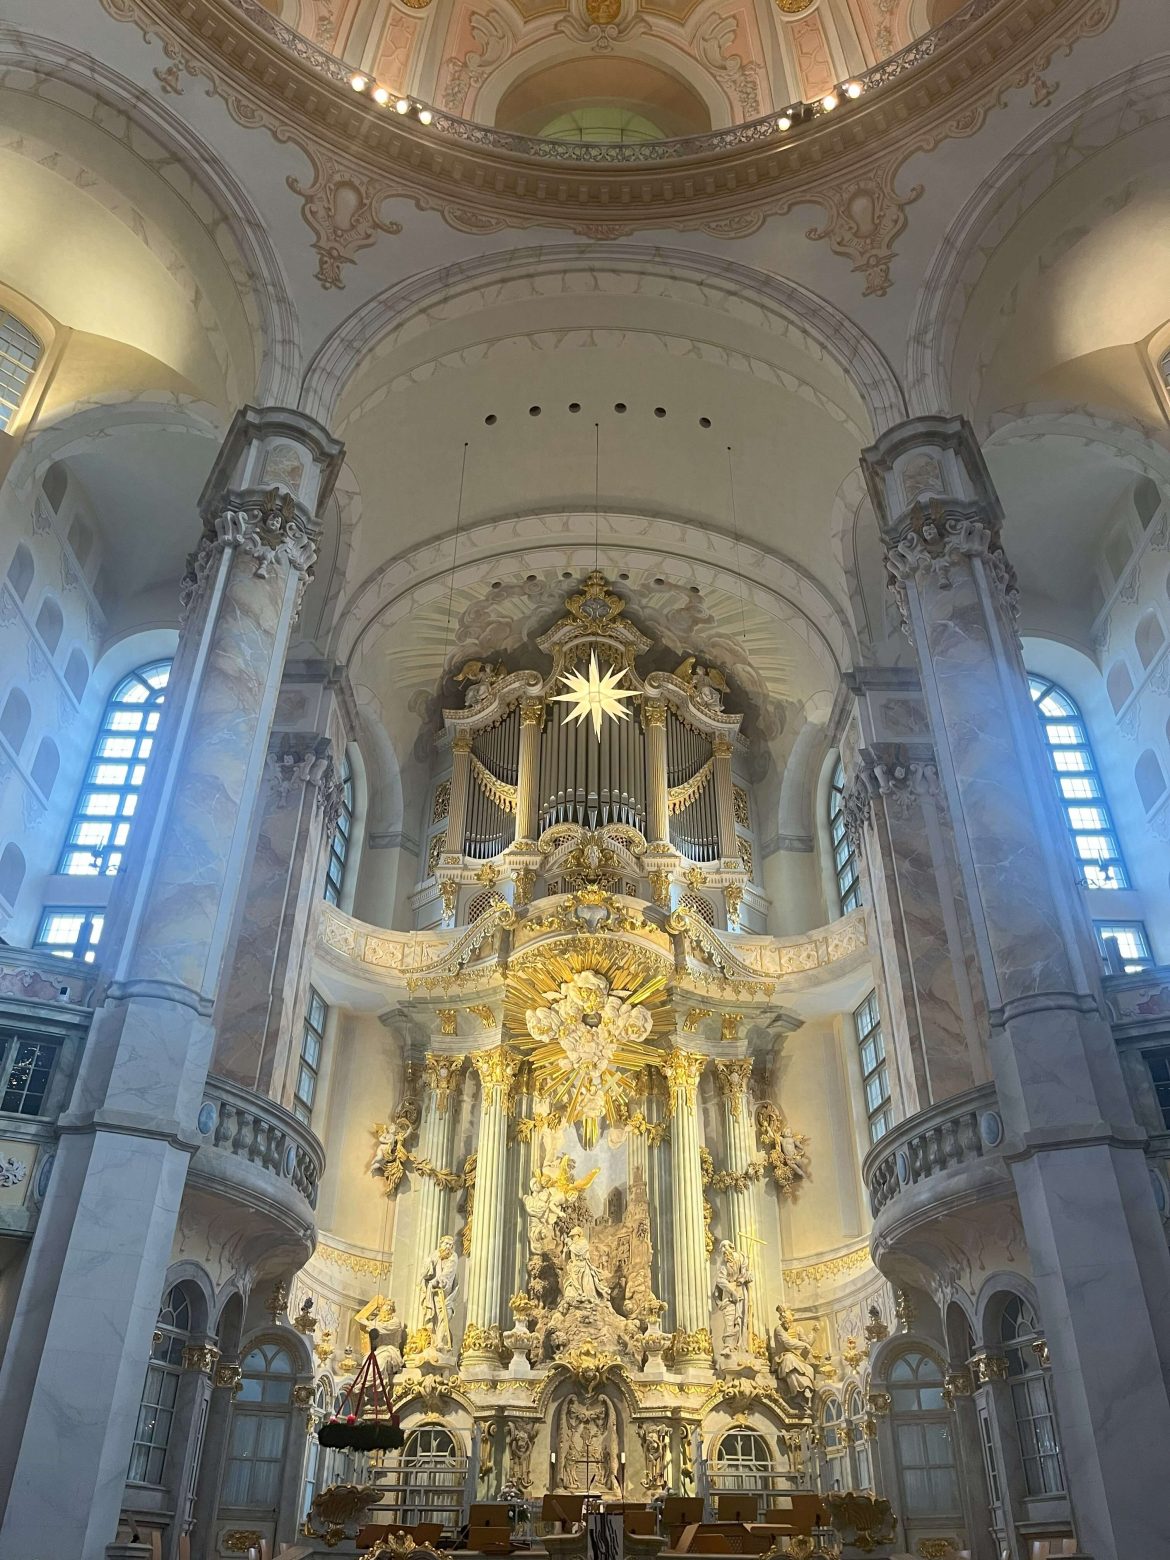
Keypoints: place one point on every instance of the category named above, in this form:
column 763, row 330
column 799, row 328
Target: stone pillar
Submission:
column 460, row 782
column 734, row 1081
column 95, row 1272
column 481, row 1334
column 721, row 751
column 692, row 1313
column 897, row 817
column 258, row 1028
column 661, row 1224
column 1098, row 1250
column 442, row 1076
column 657, row 812
column 528, row 769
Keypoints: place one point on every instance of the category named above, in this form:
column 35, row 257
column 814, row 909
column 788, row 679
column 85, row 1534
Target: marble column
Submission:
column 692, row 1312
column 897, row 817
column 442, row 1078
column 657, row 813
column 81, row 1333
column 532, row 713
column 259, row 1023
column 1096, row 1243
column 733, row 1078
column 496, row 1069
column 721, row 751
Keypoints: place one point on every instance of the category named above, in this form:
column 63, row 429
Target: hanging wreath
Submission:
column 365, row 1421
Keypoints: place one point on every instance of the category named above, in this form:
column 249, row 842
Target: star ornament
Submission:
column 595, row 697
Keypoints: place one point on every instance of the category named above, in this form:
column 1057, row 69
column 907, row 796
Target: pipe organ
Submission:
column 658, row 762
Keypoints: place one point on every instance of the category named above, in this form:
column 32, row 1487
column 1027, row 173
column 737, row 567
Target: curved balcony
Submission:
column 725, row 181
column 935, row 1162
column 258, row 1156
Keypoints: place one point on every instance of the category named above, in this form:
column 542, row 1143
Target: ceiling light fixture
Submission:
column 425, row 116
column 853, row 89
column 829, row 102
column 784, row 122
column 402, row 106
column 359, row 83
column 380, row 95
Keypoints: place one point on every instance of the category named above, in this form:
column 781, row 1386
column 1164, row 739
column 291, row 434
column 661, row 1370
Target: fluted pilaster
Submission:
column 532, row 713
column 657, row 813
column 721, row 751
column 734, row 1080
column 496, row 1069
column 442, row 1079
column 682, row 1070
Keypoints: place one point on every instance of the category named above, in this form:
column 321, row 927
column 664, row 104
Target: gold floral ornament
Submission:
column 595, row 697
column 587, row 1037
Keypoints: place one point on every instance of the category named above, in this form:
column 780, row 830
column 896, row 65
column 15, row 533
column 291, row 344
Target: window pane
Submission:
column 111, row 788
column 1094, row 839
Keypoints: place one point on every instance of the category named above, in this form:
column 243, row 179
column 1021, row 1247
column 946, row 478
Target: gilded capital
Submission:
column 722, row 747
column 496, row 1069
column 461, row 744
column 653, row 713
column 733, row 1078
column 532, row 712
column 682, row 1070
column 442, row 1074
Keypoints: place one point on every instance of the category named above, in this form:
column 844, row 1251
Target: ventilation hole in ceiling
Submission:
column 496, row 584
column 574, row 406
column 704, row 422
column 619, row 406
column 530, row 577
column 490, row 419
column 694, row 590
column 567, row 574
column 660, row 581
column 623, row 576
column 534, row 411
column 660, row 411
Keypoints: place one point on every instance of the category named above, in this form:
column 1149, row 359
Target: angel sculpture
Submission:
column 390, row 1154
column 707, row 683
column 481, row 678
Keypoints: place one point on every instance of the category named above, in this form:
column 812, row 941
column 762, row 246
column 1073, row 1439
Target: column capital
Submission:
column 653, row 712
column 934, row 537
column 532, row 712
column 496, row 1068
column 902, row 773
column 442, row 1074
column 733, row 1077
column 682, row 1070
column 722, row 747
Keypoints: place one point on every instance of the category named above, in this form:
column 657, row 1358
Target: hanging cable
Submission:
column 738, row 559
column 596, row 494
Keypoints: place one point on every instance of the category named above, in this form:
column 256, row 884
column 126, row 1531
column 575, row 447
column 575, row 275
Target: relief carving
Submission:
column 342, row 208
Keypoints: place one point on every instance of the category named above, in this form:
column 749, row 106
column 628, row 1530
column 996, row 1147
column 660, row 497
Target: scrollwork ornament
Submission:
column 937, row 535
column 268, row 528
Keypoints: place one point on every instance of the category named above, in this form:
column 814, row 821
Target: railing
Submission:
column 262, row 1132
column 677, row 149
column 956, row 1132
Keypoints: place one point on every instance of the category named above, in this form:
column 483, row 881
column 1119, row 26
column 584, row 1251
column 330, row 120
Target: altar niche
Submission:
column 588, row 1438
column 589, row 1257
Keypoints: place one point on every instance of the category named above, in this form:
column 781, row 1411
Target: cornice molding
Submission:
column 846, row 162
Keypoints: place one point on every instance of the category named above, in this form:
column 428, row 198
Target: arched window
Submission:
column 77, row 672
column 14, row 720
column 432, row 1471
column 844, row 856
column 1149, row 637
column 923, row 1437
column 339, row 844
column 1078, row 784
column 12, row 869
column 855, row 1417
column 20, row 352
column 259, row 1430
column 1031, row 1400
column 45, row 766
column 157, row 1406
column 50, row 624
column 21, row 571
column 742, row 1460
column 96, row 842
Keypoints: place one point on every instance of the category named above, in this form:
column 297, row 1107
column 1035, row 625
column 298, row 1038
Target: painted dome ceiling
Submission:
column 611, row 70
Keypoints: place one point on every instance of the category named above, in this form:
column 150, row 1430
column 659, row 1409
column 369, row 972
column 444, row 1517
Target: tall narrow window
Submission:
column 112, row 788
column 339, row 844
column 875, row 1076
column 20, row 352
column 259, row 1430
column 1125, row 947
column 1082, row 796
column 1035, row 1421
column 312, row 1041
column 844, row 856
column 157, row 1406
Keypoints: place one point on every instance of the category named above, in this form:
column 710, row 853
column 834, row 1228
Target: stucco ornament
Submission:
column 586, row 1031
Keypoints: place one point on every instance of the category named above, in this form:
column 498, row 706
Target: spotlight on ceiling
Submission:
column 425, row 116
column 359, row 83
column 380, row 95
column 829, row 102
column 853, row 89
column 784, row 122
column 402, row 105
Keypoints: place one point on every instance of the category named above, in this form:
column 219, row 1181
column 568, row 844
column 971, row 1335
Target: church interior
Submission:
column 584, row 779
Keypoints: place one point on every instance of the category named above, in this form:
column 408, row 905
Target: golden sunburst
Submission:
column 594, row 697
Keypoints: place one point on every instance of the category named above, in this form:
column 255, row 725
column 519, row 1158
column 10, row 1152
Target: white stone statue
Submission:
column 587, row 1446
column 730, row 1297
column 794, row 1155
column 791, row 1354
column 440, row 1284
column 655, row 1441
column 583, row 1283
column 540, row 1205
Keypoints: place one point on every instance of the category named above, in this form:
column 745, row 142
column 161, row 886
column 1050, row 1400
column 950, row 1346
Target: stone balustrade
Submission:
column 962, row 1129
column 236, row 1124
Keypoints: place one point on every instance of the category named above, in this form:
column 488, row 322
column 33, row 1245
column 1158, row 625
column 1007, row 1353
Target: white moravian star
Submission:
column 595, row 696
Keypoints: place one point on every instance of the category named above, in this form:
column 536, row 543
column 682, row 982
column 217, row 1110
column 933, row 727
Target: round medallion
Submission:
column 205, row 1121
column 903, row 1167
column 991, row 1128
column 290, row 1159
column 43, row 1175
